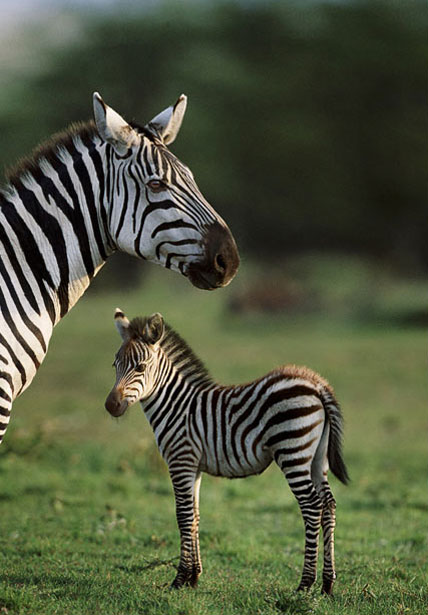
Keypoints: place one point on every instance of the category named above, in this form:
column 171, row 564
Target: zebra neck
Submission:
column 179, row 371
column 52, row 226
column 52, row 243
column 172, row 394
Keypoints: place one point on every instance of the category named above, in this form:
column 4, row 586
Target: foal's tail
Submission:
column 335, row 420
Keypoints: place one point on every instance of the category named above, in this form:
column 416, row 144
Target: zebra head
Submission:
column 155, row 208
column 136, row 362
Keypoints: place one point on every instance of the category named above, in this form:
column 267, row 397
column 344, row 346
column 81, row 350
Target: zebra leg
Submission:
column 197, row 563
column 328, row 522
column 311, row 508
column 186, row 489
column 4, row 421
column 319, row 473
column 5, row 403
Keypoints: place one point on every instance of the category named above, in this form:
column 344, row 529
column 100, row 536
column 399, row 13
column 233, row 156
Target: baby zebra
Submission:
column 290, row 415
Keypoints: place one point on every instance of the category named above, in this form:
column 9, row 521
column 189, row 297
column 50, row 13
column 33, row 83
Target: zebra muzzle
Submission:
column 220, row 262
column 115, row 403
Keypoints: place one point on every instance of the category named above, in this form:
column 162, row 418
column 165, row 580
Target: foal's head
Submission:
column 136, row 361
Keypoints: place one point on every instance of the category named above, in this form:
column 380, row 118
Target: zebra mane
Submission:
column 49, row 150
column 176, row 349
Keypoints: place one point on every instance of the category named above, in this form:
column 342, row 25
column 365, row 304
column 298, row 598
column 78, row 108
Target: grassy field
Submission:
column 87, row 522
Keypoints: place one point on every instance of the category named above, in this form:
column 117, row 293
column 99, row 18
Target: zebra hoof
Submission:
column 194, row 578
column 306, row 585
column 327, row 587
column 177, row 583
column 188, row 578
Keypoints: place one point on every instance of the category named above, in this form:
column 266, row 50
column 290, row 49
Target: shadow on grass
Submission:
column 149, row 565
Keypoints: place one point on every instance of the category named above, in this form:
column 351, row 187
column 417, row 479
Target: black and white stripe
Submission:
column 289, row 416
column 94, row 189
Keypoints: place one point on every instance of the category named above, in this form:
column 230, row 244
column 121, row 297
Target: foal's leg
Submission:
column 328, row 519
column 299, row 478
column 186, row 488
column 319, row 471
column 197, row 563
column 311, row 509
column 328, row 522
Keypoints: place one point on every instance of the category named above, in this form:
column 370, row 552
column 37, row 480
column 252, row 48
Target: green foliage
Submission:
column 306, row 121
column 87, row 519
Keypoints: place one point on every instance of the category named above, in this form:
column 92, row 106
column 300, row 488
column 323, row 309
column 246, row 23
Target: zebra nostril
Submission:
column 220, row 263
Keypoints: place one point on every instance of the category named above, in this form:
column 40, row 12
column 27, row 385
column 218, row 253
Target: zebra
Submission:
column 96, row 188
column 289, row 415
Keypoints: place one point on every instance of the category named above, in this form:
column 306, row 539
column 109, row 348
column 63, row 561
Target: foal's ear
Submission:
column 153, row 329
column 122, row 324
column 113, row 128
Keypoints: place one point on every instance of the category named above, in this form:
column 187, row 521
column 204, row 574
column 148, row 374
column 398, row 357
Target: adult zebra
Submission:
column 290, row 415
column 96, row 188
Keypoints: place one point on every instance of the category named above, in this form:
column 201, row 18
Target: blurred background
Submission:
column 306, row 125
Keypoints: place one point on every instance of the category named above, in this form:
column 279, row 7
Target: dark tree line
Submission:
column 306, row 125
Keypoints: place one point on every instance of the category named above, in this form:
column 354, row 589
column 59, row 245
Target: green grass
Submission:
column 87, row 521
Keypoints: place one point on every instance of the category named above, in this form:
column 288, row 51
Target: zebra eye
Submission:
column 156, row 185
column 140, row 368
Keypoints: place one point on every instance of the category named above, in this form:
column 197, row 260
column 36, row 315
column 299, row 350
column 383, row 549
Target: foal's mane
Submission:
column 176, row 349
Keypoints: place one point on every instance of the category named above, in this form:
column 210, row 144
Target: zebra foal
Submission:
column 290, row 416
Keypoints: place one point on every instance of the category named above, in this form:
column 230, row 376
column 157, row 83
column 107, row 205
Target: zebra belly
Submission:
column 235, row 465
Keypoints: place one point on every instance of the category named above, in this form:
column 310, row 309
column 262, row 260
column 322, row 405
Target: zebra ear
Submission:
column 122, row 324
column 165, row 125
column 113, row 128
column 153, row 329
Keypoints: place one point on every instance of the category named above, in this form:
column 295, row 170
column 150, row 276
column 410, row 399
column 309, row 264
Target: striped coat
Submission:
column 289, row 416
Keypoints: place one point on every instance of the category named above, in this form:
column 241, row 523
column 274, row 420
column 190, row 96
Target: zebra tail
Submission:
column 334, row 451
